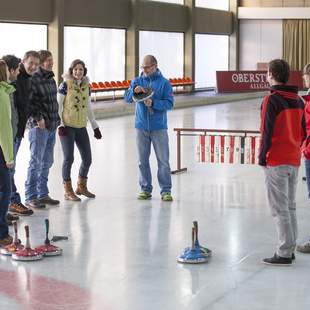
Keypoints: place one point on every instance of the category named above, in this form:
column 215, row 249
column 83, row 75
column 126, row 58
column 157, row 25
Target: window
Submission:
column 17, row 39
column 167, row 47
column 170, row 1
column 211, row 56
column 214, row 4
column 102, row 50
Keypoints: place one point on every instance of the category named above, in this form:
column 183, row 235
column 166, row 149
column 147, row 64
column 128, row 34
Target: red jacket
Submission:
column 283, row 127
column 306, row 144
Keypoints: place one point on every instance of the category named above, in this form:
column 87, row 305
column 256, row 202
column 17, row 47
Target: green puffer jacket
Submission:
column 6, row 132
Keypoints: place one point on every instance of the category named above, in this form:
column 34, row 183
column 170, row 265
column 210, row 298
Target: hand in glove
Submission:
column 97, row 133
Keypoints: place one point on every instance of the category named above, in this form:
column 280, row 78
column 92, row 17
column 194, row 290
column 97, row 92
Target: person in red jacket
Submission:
column 282, row 133
column 305, row 246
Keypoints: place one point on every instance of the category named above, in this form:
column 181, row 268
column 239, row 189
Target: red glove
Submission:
column 62, row 131
column 97, row 133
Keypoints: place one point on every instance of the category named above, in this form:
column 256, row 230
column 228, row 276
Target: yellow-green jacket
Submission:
column 6, row 132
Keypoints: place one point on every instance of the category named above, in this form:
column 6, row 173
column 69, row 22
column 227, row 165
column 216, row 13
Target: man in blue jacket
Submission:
column 151, row 127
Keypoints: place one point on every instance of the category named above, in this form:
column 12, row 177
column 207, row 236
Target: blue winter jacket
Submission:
column 162, row 101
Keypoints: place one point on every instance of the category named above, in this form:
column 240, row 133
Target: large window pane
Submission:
column 214, row 4
column 19, row 38
column 211, row 56
column 170, row 1
column 102, row 50
column 167, row 47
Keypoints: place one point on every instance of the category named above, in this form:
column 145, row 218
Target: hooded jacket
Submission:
column 74, row 100
column 283, row 127
column 6, row 132
column 162, row 101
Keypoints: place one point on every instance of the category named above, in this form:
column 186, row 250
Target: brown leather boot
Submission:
column 82, row 188
column 69, row 193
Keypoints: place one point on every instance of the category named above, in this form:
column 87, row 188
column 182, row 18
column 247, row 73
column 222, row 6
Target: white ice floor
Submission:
column 121, row 253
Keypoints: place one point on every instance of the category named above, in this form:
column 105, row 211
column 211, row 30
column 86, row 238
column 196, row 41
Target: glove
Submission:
column 62, row 131
column 97, row 133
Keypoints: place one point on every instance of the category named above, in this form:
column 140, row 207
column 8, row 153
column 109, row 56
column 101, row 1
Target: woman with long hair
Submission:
column 75, row 109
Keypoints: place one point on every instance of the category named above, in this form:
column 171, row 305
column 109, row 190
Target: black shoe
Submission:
column 304, row 178
column 49, row 201
column 278, row 260
column 12, row 217
column 35, row 203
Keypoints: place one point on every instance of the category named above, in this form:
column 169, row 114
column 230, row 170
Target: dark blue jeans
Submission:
column 5, row 194
column 15, row 197
column 307, row 165
column 81, row 138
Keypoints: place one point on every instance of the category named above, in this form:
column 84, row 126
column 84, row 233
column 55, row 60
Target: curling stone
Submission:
column 47, row 249
column 27, row 254
column 14, row 246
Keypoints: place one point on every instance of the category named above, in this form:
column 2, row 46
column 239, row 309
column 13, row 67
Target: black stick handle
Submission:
column 195, row 223
column 193, row 238
column 47, row 227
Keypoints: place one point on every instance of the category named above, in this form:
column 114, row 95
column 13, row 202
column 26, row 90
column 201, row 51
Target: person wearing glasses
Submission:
column 151, row 127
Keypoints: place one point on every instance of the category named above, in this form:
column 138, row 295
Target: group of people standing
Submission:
column 29, row 97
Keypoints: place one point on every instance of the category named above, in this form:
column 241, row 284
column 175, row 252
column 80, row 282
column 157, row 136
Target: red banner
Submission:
column 240, row 81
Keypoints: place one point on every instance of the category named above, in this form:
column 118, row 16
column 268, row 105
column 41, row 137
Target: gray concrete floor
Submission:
column 121, row 253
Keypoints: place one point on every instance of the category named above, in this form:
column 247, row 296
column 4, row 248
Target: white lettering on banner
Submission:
column 259, row 86
column 250, row 78
column 234, row 78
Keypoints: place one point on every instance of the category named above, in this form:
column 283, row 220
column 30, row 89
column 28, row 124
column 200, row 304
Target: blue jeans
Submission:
column 307, row 165
column 81, row 138
column 15, row 197
column 5, row 193
column 160, row 141
column 42, row 143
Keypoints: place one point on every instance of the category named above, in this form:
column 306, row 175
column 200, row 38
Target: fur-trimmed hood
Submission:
column 68, row 77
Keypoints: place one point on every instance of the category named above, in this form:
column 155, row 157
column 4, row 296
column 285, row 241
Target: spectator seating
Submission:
column 176, row 83
column 113, row 86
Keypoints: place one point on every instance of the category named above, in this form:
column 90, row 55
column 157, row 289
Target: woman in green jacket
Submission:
column 6, row 151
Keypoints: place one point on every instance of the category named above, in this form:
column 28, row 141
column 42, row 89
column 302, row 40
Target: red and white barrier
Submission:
column 228, row 148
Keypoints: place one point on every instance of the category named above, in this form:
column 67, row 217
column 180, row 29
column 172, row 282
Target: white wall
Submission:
column 260, row 41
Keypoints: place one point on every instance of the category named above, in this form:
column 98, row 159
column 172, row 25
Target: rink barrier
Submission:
column 220, row 146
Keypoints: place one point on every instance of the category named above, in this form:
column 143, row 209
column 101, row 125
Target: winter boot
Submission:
column 82, row 188
column 69, row 193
